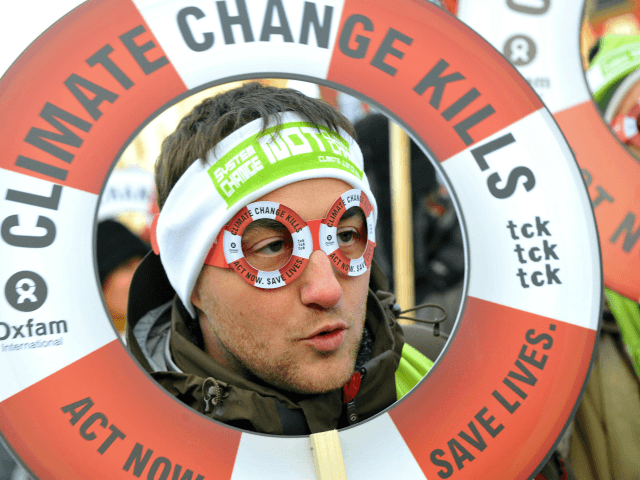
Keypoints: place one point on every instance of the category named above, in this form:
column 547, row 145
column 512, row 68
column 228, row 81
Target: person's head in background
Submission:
column 614, row 79
column 119, row 251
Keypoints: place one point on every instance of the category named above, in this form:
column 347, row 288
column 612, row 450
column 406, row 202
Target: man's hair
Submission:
column 217, row 117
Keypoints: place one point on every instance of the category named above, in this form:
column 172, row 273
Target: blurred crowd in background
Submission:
column 128, row 205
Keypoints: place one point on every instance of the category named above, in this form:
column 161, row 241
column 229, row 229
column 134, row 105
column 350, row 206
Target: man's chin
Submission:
column 312, row 372
column 315, row 380
column 324, row 372
column 316, row 388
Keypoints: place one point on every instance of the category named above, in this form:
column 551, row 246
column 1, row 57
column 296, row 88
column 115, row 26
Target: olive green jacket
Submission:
column 196, row 379
column 605, row 444
column 159, row 338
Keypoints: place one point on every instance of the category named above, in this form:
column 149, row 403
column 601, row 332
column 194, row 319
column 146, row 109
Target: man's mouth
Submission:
column 327, row 338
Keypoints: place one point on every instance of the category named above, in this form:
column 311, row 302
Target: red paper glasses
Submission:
column 269, row 245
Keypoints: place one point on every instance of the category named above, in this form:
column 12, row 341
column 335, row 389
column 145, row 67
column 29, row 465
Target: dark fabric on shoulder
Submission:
column 293, row 421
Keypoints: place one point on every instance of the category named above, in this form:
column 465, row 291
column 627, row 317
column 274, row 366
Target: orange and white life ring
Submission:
column 75, row 404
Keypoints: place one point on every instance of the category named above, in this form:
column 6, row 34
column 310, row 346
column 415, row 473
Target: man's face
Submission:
column 302, row 337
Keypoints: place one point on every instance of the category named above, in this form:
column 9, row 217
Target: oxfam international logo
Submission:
column 520, row 50
column 25, row 291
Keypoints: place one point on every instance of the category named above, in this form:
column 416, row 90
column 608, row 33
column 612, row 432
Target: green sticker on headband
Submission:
column 277, row 152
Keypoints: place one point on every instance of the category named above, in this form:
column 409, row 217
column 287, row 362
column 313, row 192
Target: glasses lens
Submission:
column 352, row 233
column 267, row 245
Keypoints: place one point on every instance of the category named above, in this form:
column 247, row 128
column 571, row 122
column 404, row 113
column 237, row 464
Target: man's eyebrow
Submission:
column 264, row 223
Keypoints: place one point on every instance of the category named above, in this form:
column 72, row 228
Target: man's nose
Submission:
column 319, row 283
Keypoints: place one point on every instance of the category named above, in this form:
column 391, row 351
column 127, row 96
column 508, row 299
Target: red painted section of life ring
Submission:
column 60, row 55
column 123, row 399
column 605, row 162
column 500, row 342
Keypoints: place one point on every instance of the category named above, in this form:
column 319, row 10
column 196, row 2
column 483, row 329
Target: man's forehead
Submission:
column 312, row 198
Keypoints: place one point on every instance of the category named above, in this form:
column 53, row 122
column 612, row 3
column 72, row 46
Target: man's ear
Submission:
column 195, row 295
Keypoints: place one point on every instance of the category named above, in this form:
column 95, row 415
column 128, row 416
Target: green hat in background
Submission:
column 617, row 56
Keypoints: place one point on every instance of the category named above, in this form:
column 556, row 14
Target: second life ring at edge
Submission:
column 524, row 328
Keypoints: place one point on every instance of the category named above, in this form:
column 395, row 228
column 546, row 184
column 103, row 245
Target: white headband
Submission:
column 248, row 164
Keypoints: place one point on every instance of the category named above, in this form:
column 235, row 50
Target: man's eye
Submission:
column 271, row 248
column 347, row 236
column 270, row 253
column 274, row 245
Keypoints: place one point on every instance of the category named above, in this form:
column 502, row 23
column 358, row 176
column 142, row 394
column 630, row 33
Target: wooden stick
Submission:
column 327, row 456
column 402, row 217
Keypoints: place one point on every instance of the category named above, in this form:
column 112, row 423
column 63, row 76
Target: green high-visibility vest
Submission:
column 627, row 315
column 413, row 366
